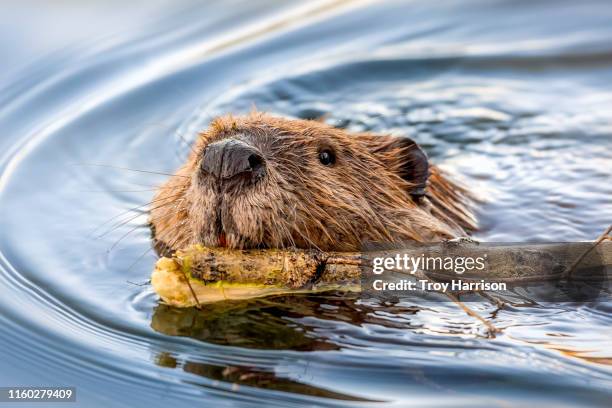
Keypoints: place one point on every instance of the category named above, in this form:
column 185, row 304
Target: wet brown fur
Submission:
column 302, row 203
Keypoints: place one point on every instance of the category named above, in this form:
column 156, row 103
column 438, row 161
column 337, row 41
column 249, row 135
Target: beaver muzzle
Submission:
column 233, row 158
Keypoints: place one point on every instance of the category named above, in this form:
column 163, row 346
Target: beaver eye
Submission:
column 327, row 157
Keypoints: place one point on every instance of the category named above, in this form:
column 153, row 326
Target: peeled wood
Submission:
column 202, row 274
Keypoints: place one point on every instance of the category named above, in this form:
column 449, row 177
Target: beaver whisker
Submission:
column 129, row 169
column 190, row 145
column 148, row 250
column 140, row 258
column 168, row 214
column 164, row 247
column 123, row 222
column 135, row 209
column 308, row 240
column 287, row 232
column 126, row 234
column 119, row 191
column 176, row 203
column 284, row 232
column 175, row 240
column 129, row 220
column 144, row 190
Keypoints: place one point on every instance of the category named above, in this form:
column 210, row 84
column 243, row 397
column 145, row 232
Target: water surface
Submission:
column 512, row 97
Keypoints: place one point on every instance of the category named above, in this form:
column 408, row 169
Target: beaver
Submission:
column 260, row 181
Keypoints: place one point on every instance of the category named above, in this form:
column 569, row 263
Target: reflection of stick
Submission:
column 492, row 329
column 603, row 237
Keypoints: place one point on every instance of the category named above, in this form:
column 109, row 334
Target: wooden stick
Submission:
column 602, row 237
column 214, row 274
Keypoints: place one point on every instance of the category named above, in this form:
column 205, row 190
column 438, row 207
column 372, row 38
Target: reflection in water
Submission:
column 278, row 322
column 250, row 376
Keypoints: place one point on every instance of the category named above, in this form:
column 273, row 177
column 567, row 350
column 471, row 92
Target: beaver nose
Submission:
column 230, row 157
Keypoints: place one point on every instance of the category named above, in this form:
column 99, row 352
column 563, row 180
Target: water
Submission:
column 512, row 97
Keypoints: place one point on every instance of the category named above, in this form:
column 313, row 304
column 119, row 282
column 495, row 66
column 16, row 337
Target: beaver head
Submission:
column 263, row 181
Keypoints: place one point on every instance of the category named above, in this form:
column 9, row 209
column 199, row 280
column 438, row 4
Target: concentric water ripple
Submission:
column 516, row 107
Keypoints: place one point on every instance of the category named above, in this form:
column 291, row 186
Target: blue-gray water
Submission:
column 514, row 97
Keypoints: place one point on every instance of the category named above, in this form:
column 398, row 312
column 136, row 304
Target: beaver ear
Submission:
column 403, row 156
